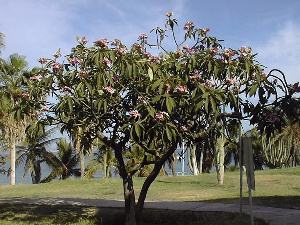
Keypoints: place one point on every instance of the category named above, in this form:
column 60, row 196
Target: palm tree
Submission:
column 64, row 164
column 1, row 41
column 34, row 152
column 11, row 90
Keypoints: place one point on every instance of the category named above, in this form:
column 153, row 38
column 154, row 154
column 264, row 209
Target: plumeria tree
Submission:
column 129, row 99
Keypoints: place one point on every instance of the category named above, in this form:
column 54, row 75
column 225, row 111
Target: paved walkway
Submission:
column 274, row 216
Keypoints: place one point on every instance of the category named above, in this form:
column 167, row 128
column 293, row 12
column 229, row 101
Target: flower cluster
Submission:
column 56, row 67
column 142, row 37
column 42, row 61
column 230, row 81
column 188, row 51
column 67, row 89
column 169, row 14
column 181, row 89
column 135, row 114
column 102, row 43
column 73, row 60
column 246, row 51
column 196, row 76
column 184, row 128
column 107, row 62
column 82, row 40
column 36, row 77
column 188, row 26
column 205, row 30
column 229, row 53
column 161, row 116
column 109, row 89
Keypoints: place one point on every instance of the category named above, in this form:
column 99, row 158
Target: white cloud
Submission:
column 282, row 51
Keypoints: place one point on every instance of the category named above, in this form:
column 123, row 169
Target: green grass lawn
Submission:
column 279, row 182
column 278, row 188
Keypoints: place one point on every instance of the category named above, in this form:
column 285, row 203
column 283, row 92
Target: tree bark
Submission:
column 201, row 162
column 129, row 197
column 154, row 173
column 220, row 159
column 194, row 161
column 13, row 163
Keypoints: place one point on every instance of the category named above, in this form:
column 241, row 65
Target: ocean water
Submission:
column 22, row 178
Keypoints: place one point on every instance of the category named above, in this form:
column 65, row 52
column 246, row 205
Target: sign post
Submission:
column 249, row 164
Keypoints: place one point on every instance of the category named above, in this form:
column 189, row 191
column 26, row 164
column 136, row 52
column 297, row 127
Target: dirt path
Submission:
column 274, row 216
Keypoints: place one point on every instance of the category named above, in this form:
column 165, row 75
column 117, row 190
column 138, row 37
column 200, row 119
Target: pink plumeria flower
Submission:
column 205, row 30
column 116, row 42
column 67, row 89
column 102, row 43
column 246, row 51
column 230, row 81
column 229, row 52
column 187, row 50
column 184, row 128
column 196, row 76
column 107, row 62
column 74, row 60
column 169, row 14
column 135, row 114
column 214, row 50
column 56, row 66
column 109, row 89
column 181, row 89
column 82, row 40
column 42, row 61
column 25, row 95
column 142, row 37
column 188, row 25
column 155, row 59
column 161, row 116
column 36, row 77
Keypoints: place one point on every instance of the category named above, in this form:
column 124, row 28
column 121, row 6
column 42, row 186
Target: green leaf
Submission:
column 169, row 134
column 170, row 104
column 253, row 89
column 150, row 73
column 137, row 129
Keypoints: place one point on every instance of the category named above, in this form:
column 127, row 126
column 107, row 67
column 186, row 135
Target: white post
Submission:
column 182, row 160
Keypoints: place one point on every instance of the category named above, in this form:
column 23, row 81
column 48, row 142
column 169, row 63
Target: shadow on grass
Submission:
column 46, row 214
column 289, row 202
column 81, row 215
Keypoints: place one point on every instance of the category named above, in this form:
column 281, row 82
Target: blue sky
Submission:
column 36, row 28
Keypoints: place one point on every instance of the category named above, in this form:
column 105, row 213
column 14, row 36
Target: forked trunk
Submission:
column 13, row 163
column 129, row 197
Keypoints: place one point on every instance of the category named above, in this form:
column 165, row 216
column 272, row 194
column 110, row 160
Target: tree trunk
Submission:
column 80, row 151
column 189, row 159
column 129, row 197
column 154, row 173
column 194, row 161
column 105, row 165
column 220, row 159
column 13, row 163
column 201, row 162
column 173, row 164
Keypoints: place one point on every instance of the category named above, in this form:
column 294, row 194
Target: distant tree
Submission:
column 12, row 92
column 63, row 164
column 35, row 150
